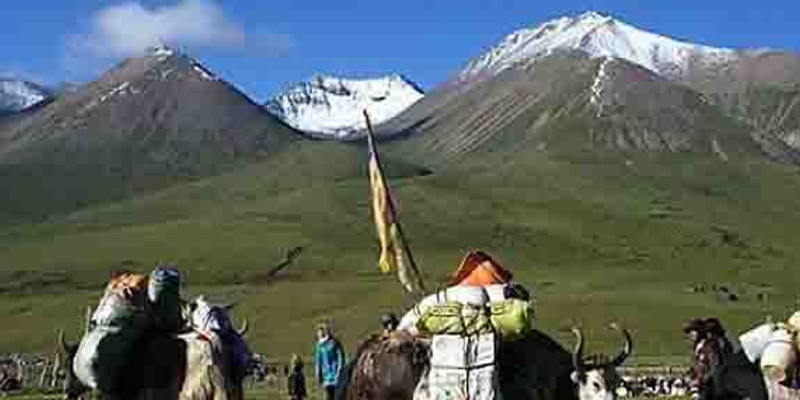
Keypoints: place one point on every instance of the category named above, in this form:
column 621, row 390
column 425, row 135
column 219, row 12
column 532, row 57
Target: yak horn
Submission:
column 577, row 355
column 244, row 328
column 627, row 350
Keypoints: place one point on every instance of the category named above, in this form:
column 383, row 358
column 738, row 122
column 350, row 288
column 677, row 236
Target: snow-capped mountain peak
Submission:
column 18, row 95
column 161, row 52
column 331, row 107
column 598, row 35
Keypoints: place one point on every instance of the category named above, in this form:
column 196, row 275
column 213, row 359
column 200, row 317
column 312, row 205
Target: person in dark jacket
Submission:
column 296, row 380
column 720, row 370
column 715, row 331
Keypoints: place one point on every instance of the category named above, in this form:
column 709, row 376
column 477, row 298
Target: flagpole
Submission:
column 374, row 150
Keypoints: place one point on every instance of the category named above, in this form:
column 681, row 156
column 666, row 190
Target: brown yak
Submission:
column 534, row 368
column 186, row 366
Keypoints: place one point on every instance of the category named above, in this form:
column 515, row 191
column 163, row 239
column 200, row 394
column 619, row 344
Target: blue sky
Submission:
column 263, row 45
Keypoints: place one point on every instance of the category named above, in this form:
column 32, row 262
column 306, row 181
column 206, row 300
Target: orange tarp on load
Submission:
column 479, row 269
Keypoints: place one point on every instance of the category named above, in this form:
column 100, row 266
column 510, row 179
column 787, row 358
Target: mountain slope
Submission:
column 603, row 84
column 331, row 107
column 762, row 89
column 18, row 95
column 567, row 102
column 599, row 36
column 146, row 123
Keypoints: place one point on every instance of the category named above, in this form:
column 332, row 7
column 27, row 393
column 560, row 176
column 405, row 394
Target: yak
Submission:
column 194, row 365
column 536, row 367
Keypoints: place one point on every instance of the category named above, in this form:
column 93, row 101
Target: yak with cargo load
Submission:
column 481, row 304
column 134, row 348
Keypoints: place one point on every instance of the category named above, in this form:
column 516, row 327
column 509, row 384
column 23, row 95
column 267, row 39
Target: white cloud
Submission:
column 129, row 28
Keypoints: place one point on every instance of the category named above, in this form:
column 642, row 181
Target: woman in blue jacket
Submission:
column 329, row 360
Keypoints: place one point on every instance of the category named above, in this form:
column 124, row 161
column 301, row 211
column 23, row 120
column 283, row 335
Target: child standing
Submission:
column 296, row 381
column 329, row 360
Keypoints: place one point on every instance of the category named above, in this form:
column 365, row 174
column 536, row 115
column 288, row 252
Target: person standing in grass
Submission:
column 329, row 360
column 296, row 380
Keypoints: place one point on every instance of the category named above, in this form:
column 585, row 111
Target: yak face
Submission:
column 596, row 376
column 597, row 384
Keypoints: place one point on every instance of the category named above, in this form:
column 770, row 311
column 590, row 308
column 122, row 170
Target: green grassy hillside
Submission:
column 599, row 238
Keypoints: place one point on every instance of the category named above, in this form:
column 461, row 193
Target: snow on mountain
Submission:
column 599, row 36
column 332, row 107
column 17, row 95
column 161, row 52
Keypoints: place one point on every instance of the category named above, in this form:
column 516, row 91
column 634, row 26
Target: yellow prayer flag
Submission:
column 394, row 251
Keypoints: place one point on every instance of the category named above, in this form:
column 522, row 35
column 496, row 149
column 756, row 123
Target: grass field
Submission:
column 597, row 238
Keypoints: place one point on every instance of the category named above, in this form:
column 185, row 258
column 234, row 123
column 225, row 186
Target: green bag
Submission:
column 512, row 319
column 454, row 318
